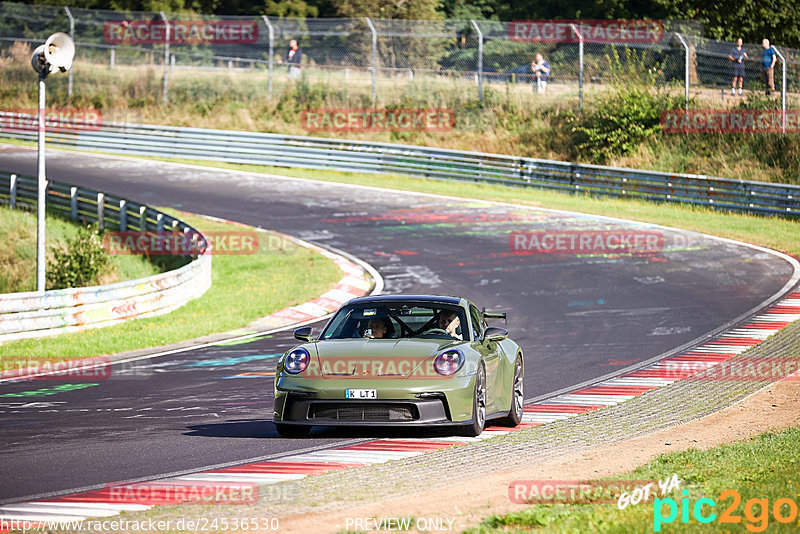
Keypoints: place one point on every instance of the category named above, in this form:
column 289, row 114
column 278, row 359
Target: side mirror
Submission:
column 304, row 333
column 495, row 334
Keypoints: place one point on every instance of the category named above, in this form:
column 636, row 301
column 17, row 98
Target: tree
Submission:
column 389, row 9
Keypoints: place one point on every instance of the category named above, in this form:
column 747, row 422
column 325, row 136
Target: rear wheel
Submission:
column 478, row 405
column 293, row 431
column 514, row 416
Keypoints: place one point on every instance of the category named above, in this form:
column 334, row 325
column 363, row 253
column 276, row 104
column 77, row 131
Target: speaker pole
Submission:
column 40, row 205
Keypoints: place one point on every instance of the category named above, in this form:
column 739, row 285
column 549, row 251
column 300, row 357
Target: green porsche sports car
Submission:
column 408, row 360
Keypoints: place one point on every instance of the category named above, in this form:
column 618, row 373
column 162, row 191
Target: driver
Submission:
column 376, row 329
column 449, row 322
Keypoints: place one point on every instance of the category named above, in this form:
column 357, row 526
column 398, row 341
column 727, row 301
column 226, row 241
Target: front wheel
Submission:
column 475, row 428
column 514, row 416
column 293, row 431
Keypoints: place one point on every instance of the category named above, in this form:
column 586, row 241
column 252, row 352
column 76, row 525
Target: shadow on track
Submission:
column 264, row 428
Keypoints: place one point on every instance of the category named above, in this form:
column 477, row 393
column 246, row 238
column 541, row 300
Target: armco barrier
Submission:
column 34, row 314
column 385, row 158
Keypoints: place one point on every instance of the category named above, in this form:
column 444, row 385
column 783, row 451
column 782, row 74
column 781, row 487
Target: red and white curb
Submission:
column 103, row 503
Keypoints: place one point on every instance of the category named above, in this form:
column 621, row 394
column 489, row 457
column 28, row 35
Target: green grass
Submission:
column 764, row 467
column 18, row 253
column 245, row 287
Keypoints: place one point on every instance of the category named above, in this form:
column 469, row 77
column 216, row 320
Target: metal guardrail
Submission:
column 438, row 163
column 36, row 314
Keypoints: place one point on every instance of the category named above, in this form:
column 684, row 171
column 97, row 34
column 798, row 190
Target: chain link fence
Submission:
column 455, row 64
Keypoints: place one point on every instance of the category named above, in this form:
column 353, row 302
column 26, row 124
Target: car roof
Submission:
column 440, row 299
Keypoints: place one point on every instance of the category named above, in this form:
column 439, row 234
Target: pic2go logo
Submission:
column 756, row 511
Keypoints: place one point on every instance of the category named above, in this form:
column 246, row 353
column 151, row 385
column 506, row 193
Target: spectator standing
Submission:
column 293, row 59
column 737, row 56
column 541, row 72
column 768, row 59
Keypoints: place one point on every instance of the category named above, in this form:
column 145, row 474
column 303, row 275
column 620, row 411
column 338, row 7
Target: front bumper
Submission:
column 398, row 403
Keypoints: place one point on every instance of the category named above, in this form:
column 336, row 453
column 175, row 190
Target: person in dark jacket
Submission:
column 293, row 59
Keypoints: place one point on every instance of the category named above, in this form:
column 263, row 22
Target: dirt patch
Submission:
column 775, row 407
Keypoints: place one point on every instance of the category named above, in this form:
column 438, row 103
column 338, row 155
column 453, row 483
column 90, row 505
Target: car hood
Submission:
column 378, row 358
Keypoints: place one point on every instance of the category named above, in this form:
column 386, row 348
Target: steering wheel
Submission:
column 437, row 331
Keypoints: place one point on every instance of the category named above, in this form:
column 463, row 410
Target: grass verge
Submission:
column 18, row 253
column 761, row 470
column 245, row 287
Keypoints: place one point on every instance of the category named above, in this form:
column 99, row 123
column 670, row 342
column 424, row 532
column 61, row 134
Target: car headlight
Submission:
column 448, row 362
column 296, row 361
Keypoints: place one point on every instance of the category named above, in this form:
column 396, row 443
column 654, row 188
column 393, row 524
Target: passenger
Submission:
column 376, row 329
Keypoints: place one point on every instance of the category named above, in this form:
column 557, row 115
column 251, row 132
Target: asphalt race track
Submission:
column 577, row 316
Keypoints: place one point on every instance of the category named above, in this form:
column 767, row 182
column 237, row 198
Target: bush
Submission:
column 78, row 262
column 618, row 123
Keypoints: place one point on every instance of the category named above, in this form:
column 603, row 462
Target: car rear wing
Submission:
column 495, row 315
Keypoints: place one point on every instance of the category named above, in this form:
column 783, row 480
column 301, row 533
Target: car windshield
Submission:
column 395, row 320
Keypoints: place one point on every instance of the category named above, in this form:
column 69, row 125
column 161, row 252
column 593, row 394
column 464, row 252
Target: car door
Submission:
column 491, row 358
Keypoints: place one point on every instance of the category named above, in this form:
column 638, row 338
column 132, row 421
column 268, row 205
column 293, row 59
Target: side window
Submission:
column 477, row 323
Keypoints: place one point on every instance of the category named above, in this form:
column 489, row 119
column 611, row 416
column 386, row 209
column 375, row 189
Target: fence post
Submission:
column 172, row 64
column 123, row 215
column 166, row 56
column 12, row 186
column 101, row 205
column 783, row 90
column 480, row 59
column 374, row 55
column 73, row 203
column 580, row 66
column 271, row 33
column 112, row 58
column 72, row 36
column 686, row 67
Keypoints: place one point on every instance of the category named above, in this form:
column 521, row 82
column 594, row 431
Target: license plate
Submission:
column 361, row 394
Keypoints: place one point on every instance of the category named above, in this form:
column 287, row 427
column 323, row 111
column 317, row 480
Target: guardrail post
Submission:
column 374, row 67
column 112, row 58
column 123, row 215
column 12, row 190
column 142, row 218
column 160, row 223
column 480, row 59
column 580, row 66
column 73, row 203
column 686, row 67
column 101, row 207
column 72, row 36
column 783, row 90
column 166, row 57
column 271, row 59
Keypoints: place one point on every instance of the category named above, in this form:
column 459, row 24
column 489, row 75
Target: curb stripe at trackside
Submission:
column 100, row 503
